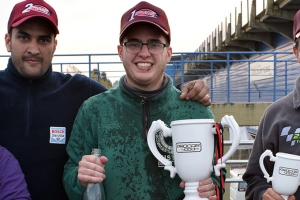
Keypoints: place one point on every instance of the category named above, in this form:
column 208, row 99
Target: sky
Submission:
column 92, row 26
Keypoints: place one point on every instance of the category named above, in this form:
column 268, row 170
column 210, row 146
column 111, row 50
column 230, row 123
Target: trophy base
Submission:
column 191, row 192
column 285, row 196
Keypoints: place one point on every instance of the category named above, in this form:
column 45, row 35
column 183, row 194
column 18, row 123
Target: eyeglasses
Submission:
column 153, row 47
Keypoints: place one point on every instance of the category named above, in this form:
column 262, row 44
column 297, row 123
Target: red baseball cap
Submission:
column 32, row 8
column 147, row 13
column 296, row 28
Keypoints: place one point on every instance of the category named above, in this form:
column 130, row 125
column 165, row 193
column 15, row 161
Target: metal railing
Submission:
column 244, row 76
column 231, row 76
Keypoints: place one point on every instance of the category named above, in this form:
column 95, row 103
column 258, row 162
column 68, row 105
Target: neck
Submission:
column 148, row 93
column 146, row 86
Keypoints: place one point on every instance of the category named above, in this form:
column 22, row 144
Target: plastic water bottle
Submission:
column 93, row 190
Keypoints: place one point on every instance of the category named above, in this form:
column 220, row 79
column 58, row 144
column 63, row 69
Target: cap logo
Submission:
column 38, row 8
column 143, row 13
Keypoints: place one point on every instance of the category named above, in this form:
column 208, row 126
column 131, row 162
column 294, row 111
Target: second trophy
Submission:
column 286, row 176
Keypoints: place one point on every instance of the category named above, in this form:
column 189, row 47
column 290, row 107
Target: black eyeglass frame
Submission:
column 144, row 43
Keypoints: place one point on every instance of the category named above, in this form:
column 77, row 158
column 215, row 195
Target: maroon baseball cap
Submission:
column 32, row 8
column 296, row 28
column 147, row 13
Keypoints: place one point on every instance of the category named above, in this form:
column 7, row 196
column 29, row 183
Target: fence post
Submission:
column 249, row 72
column 90, row 65
column 275, row 75
column 228, row 78
column 211, row 82
column 182, row 68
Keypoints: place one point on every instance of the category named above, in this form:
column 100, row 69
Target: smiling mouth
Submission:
column 144, row 64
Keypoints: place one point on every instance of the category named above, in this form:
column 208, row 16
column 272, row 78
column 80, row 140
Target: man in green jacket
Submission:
column 118, row 120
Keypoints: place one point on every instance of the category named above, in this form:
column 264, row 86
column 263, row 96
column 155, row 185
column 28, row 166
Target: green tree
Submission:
column 101, row 78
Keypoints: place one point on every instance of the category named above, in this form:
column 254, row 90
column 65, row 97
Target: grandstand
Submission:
column 248, row 57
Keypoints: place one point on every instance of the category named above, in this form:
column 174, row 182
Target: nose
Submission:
column 33, row 48
column 144, row 50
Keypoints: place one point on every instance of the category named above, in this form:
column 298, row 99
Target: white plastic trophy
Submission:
column 193, row 149
column 286, row 176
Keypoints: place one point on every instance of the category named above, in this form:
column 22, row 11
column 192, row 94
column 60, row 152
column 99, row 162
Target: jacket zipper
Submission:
column 28, row 109
column 145, row 116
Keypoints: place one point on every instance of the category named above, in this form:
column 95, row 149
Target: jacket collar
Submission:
column 147, row 94
column 158, row 97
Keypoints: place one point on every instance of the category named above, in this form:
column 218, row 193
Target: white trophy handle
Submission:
column 235, row 129
column 262, row 166
column 155, row 127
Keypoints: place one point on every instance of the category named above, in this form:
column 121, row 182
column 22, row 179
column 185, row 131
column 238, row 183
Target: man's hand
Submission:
column 206, row 189
column 271, row 194
column 91, row 169
column 196, row 90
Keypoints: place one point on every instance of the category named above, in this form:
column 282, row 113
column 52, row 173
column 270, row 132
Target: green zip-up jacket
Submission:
column 114, row 121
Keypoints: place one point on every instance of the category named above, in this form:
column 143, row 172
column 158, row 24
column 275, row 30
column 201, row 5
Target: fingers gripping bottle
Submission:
column 93, row 190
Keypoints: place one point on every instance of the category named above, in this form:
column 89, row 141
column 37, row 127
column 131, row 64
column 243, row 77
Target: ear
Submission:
column 120, row 52
column 54, row 47
column 296, row 52
column 55, row 44
column 7, row 40
column 169, row 53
